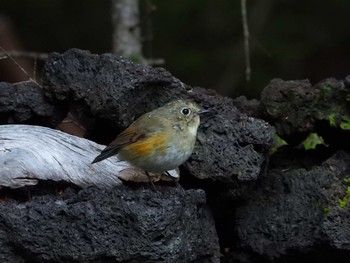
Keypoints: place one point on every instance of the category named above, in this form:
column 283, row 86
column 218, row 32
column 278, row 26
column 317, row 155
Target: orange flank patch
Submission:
column 146, row 146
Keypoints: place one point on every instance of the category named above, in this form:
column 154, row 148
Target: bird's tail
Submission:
column 107, row 152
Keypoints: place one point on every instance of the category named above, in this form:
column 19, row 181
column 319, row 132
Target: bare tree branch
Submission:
column 246, row 39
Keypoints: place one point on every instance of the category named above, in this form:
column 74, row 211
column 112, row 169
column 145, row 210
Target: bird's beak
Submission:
column 202, row 110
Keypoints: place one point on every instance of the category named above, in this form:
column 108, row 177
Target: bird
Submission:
column 160, row 140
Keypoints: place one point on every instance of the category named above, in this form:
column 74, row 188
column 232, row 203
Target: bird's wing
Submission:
column 126, row 137
column 134, row 133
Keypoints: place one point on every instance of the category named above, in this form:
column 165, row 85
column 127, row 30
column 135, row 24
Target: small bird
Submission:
column 160, row 140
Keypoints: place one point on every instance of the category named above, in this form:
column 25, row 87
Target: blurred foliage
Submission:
column 202, row 41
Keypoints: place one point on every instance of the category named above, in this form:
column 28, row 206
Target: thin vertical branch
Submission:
column 34, row 68
column 246, row 39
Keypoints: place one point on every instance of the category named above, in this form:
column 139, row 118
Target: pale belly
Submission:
column 168, row 160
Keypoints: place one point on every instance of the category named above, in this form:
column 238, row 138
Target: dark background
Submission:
column 200, row 41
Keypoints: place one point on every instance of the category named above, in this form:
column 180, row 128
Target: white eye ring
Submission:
column 186, row 111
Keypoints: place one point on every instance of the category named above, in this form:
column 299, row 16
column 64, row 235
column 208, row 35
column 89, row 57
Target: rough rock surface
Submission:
column 110, row 87
column 296, row 105
column 226, row 132
column 118, row 225
column 295, row 213
column 25, row 102
column 251, row 107
column 336, row 223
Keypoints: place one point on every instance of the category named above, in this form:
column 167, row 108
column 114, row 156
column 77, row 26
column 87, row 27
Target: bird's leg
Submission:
column 151, row 182
column 173, row 179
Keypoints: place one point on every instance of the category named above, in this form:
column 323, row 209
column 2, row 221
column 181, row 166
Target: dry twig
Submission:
column 23, row 54
column 9, row 55
column 246, row 39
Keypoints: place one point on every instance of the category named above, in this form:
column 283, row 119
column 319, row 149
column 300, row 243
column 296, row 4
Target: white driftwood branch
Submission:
column 31, row 153
column 34, row 152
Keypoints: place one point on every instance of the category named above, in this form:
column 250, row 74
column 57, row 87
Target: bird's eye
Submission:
column 186, row 111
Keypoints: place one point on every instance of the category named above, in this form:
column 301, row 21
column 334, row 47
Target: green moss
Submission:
column 345, row 200
column 277, row 144
column 345, row 124
column 342, row 203
column 347, row 180
column 312, row 141
column 331, row 119
column 336, row 120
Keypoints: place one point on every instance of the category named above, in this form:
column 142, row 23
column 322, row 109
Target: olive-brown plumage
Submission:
column 160, row 140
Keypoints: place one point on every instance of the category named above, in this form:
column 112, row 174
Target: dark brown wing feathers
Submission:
column 126, row 137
